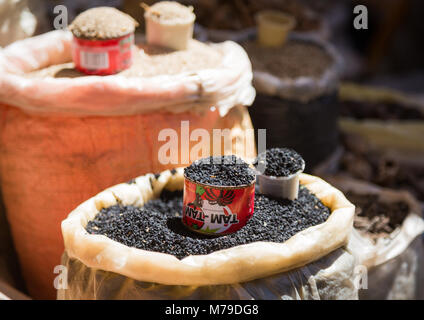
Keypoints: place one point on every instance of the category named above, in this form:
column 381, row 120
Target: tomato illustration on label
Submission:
column 216, row 210
column 193, row 215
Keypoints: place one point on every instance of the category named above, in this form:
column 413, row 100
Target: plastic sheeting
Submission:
column 331, row 277
column 398, row 278
column 395, row 264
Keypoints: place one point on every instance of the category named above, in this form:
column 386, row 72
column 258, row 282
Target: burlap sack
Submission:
column 395, row 264
column 99, row 267
column 62, row 140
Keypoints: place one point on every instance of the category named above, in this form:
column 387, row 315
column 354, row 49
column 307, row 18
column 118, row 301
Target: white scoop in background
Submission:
column 169, row 24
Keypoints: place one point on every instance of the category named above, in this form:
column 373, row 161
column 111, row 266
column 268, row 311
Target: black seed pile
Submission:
column 280, row 162
column 157, row 226
column 220, row 171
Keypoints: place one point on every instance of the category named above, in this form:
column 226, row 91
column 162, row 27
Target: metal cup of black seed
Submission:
column 219, row 195
column 279, row 170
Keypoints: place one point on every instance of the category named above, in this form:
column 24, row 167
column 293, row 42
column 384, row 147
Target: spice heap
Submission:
column 376, row 218
column 102, row 23
column 280, row 162
column 220, row 171
column 157, row 225
column 295, row 59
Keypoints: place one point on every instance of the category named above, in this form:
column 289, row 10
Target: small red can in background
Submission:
column 103, row 57
column 217, row 210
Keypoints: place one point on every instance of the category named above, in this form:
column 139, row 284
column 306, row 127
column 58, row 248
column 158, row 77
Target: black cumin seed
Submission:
column 280, row 162
column 274, row 220
column 220, row 171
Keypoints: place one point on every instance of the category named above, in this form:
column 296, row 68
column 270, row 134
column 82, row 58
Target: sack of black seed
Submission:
column 387, row 240
column 128, row 242
column 296, row 97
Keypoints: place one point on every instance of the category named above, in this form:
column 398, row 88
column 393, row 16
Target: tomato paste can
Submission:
column 102, row 57
column 217, row 210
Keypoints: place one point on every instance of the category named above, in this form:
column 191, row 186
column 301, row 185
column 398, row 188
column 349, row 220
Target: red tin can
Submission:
column 103, row 57
column 217, row 210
